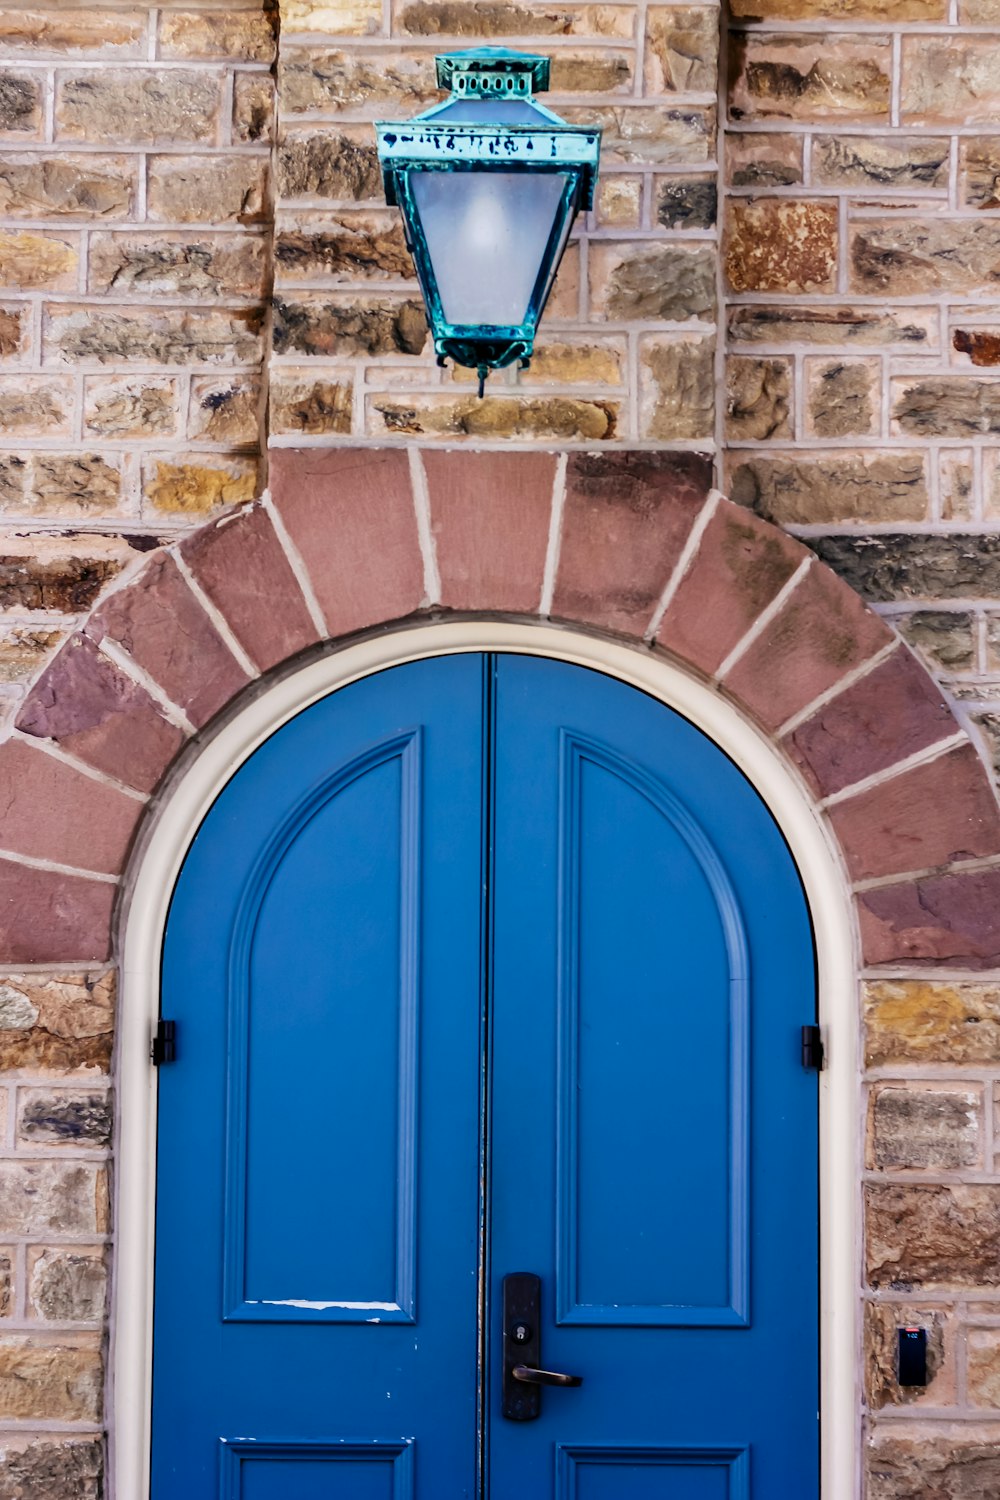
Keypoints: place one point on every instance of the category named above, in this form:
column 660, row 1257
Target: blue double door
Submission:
column 487, row 965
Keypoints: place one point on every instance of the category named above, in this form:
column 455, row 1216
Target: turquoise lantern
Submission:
column 489, row 184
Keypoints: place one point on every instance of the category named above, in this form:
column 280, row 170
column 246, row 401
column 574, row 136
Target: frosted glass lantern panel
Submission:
column 486, row 236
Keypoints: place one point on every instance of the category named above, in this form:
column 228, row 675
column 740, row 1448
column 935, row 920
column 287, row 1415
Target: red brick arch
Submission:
column 631, row 544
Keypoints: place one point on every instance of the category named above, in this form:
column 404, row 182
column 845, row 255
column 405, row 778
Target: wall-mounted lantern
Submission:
column 489, row 183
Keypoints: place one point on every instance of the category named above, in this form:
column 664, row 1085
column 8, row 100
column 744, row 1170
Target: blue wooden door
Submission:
column 483, row 965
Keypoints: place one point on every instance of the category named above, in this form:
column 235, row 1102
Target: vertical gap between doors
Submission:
column 485, row 1054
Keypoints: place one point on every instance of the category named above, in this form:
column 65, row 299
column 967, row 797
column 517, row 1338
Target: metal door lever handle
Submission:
column 530, row 1376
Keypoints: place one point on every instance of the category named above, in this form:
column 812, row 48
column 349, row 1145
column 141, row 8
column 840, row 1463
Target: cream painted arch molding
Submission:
column 627, row 562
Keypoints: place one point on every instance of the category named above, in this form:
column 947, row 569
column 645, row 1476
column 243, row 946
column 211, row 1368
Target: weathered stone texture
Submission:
column 35, row 406
column 53, row 1197
column 882, row 1388
column 778, row 245
column 831, row 487
column 925, row 1127
column 316, row 325
column 682, row 47
column 809, row 77
column 29, row 260
column 843, row 397
column 979, row 163
column 301, row 401
column 20, row 103
column 909, row 327
column 909, row 257
column 763, row 160
column 253, row 108
column 225, row 410
column 340, row 164
column 652, row 282
column 145, row 406
column 52, row 1470
column 60, row 576
column 944, row 407
column 171, row 336
column 64, row 186
column 841, row 10
column 208, row 189
column 246, row 35
column 908, row 1466
column 64, row 1117
column 650, row 135
column 901, row 565
column 67, row 1285
column 880, row 162
column 175, row 488
column 50, row 1382
column 943, row 637
column 918, row 1235
column 199, row 266
column 331, row 17
column 931, row 1021
column 686, row 202
column 343, row 246
column 23, row 649
column 138, row 106
column 954, row 80
column 511, row 18
column 677, row 380
column 758, row 399
column 15, row 333
column 984, row 1367
column 75, row 484
column 72, row 32
column 618, row 202
column 981, row 345
column 557, row 418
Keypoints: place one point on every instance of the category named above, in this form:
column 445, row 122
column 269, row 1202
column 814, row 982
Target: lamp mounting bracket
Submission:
column 492, row 73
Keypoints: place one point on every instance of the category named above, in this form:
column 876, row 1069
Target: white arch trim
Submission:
column 148, row 899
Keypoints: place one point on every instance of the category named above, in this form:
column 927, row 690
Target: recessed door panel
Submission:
column 651, row 1474
column 312, row 1471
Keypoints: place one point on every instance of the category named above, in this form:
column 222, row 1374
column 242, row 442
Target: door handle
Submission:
column 528, row 1375
column 523, row 1376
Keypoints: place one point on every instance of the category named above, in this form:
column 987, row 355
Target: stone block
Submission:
column 36, row 405
column 243, row 569
column 685, row 202
column 626, row 519
column 935, row 1127
column 166, row 336
column 334, row 80
column 15, row 333
column 53, row 1197
column 945, row 406
column 331, row 17
column 490, row 519
column 136, row 407
column 758, row 399
column 158, row 621
column 316, row 324
column 739, row 567
column 67, row 1284
column 20, row 103
column 333, row 506
column 138, row 106
column 31, row 261
column 923, row 818
column 50, row 1382
column 253, row 108
column 580, row 361
column 844, row 397
column 300, row 401
column 61, row 573
column 979, row 172
column 511, row 18
column 682, row 49
column 913, row 257
column 339, row 164
column 677, row 387
column 172, row 265
column 91, row 187
column 842, row 10
column 896, row 162
column 831, row 487
column 95, row 712
column 953, row 80
column 881, row 1353
column 957, row 484
column 7, row 1256
column 943, row 637
column 23, row 649
column 983, row 1357
column 818, row 77
column 342, row 245
column 931, row 1021
column 64, row 1117
column 243, row 35
column 50, row 1469
column 656, row 135
column 636, row 281
column 216, row 189
column 781, row 245
column 77, row 484
column 923, row 1236
column 618, row 201
column 15, row 479
column 905, row 565
column 821, row 633
column 72, row 32
column 758, row 160
column 198, row 488
column 908, row 328
column 591, row 72
column 53, row 812
column 978, row 12
column 940, row 920
column 892, row 712
column 225, row 410
column 51, row 918
column 61, row 1024
column 981, row 346
column 550, row 418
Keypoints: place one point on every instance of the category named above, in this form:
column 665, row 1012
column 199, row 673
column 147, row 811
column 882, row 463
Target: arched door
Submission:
column 487, row 965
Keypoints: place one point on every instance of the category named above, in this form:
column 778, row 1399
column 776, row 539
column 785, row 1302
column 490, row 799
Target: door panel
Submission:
column 652, row 1160
column 496, row 920
column 325, row 938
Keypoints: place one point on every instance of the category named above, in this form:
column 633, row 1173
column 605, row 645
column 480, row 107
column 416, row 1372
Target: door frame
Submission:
column 153, row 873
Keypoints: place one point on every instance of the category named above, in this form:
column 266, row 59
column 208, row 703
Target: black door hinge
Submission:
column 812, row 1047
column 164, row 1048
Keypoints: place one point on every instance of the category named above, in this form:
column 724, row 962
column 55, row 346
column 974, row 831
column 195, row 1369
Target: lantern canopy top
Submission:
column 492, row 71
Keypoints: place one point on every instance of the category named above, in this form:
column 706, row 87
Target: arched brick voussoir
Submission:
column 948, row 920
column 53, row 812
column 49, row 917
column 93, row 711
column 351, row 516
